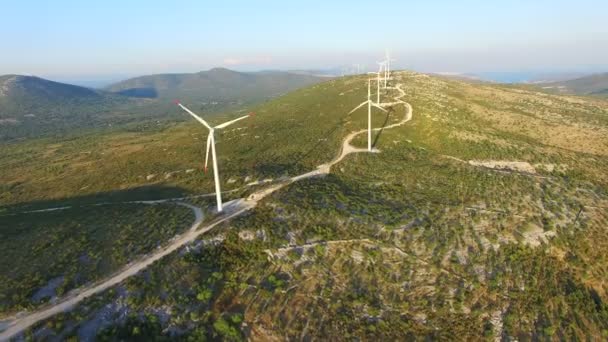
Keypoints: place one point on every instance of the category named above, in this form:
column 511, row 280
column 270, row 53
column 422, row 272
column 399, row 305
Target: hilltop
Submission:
column 448, row 230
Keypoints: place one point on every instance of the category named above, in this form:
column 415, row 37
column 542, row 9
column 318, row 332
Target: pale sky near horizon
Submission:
column 69, row 38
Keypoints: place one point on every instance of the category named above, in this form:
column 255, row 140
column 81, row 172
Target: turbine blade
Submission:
column 377, row 106
column 198, row 118
column 226, row 124
column 208, row 147
column 359, row 106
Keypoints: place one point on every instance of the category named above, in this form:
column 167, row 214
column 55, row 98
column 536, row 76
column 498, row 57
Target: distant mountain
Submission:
column 334, row 72
column 217, row 87
column 31, row 106
column 596, row 84
column 556, row 77
column 464, row 77
column 509, row 77
column 27, row 87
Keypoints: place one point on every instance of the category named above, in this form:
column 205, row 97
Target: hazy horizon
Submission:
column 500, row 77
column 70, row 40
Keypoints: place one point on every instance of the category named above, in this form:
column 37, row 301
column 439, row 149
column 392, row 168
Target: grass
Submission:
column 77, row 246
column 399, row 244
column 274, row 145
column 295, row 133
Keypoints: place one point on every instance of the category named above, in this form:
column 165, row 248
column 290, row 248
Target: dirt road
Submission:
column 232, row 209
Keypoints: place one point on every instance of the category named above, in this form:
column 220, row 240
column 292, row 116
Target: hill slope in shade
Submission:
column 589, row 85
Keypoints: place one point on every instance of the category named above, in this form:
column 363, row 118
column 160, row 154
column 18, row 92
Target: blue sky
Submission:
column 68, row 38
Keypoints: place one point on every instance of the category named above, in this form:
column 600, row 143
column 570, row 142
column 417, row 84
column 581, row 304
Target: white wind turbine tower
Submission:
column 211, row 145
column 369, row 104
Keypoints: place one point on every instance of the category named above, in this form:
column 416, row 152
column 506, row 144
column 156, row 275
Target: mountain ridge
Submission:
column 248, row 84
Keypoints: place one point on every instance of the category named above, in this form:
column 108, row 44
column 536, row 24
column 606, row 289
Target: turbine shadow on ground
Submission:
column 388, row 116
column 144, row 93
column 142, row 193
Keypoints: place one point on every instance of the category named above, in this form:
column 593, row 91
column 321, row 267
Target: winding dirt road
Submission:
column 233, row 209
column 347, row 148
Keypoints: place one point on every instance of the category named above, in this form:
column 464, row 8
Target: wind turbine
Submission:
column 211, row 145
column 369, row 104
column 382, row 66
column 388, row 66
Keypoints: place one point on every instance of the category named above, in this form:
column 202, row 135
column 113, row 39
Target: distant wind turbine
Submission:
column 378, row 84
column 369, row 104
column 211, row 146
column 382, row 70
column 388, row 66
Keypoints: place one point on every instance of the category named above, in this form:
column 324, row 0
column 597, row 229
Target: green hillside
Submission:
column 303, row 129
column 75, row 247
column 481, row 218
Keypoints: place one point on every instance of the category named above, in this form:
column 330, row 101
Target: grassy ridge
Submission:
column 410, row 242
column 303, row 129
column 277, row 143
